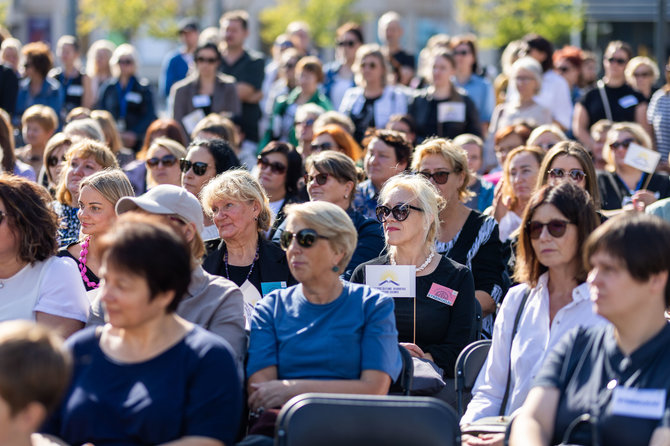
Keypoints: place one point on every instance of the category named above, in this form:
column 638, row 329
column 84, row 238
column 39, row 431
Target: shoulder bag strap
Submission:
column 519, row 312
column 603, row 97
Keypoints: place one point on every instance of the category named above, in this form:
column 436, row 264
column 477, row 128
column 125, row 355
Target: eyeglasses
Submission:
column 440, row 177
column 322, row 146
column 556, row 228
column 400, row 212
column 368, row 65
column 546, row 145
column 199, row 168
column 305, row 238
column 320, row 178
column 167, row 161
column 617, row 60
column 210, row 60
column 575, row 174
column 643, row 74
column 348, row 43
column 622, row 144
column 126, row 62
column 53, row 161
column 275, row 167
column 461, row 53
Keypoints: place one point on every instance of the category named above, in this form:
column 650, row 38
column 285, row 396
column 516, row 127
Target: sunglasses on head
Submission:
column 320, row 178
column 199, row 168
column 440, row 177
column 322, row 146
column 575, row 174
column 619, row 144
column 400, row 212
column 167, row 161
column 211, row 60
column 275, row 167
column 617, row 60
column 305, row 238
column 556, row 228
column 347, row 43
column 53, row 161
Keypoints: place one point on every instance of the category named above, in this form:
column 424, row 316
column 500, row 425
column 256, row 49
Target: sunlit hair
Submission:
column 638, row 133
column 237, row 185
column 637, row 62
column 85, row 128
column 124, row 50
column 336, row 164
column 508, row 187
column 454, row 156
column 55, row 142
column 42, row 115
column 369, row 50
column 332, row 117
column 97, row 46
column 112, row 184
column 554, row 129
column 162, row 127
column 343, row 140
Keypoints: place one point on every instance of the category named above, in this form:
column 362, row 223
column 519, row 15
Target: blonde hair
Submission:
column 639, row 134
column 98, row 45
column 373, row 50
column 508, row 188
column 42, row 115
column 635, row 63
column 453, row 154
column 546, row 128
column 112, row 184
column 109, row 130
column 239, row 185
column 125, row 49
column 328, row 220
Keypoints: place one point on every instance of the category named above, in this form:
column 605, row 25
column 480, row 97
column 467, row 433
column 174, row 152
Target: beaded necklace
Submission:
column 82, row 264
column 225, row 261
column 424, row 265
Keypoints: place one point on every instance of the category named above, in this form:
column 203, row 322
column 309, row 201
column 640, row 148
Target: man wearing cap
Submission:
column 177, row 63
column 212, row 302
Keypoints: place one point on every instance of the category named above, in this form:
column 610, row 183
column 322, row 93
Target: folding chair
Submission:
column 363, row 420
column 468, row 365
column 403, row 385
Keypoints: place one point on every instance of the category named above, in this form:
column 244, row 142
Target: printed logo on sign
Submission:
column 389, row 279
column 442, row 294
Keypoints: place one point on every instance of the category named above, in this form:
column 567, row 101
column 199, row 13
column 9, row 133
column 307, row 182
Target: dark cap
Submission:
column 188, row 24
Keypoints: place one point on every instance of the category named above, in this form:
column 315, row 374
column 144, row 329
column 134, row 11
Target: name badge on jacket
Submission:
column 638, row 403
column 134, row 97
column 201, row 100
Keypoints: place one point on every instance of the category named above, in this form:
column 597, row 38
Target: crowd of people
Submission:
column 206, row 266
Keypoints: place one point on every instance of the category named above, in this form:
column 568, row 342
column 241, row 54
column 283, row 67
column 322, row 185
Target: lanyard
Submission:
column 123, row 103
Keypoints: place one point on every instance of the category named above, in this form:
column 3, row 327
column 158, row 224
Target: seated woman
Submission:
column 162, row 162
column 97, row 198
column 332, row 177
column 322, row 335
column 551, row 299
column 465, row 236
column 482, row 189
column 54, row 160
column 334, row 137
column 237, row 204
column 409, row 210
column 148, row 376
column 616, row 375
column 36, row 284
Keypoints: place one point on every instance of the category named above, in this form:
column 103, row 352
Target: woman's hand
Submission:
column 415, row 350
column 483, row 440
column 643, row 196
column 500, row 203
column 270, row 394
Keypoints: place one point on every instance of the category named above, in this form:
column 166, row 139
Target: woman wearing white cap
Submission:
column 211, row 302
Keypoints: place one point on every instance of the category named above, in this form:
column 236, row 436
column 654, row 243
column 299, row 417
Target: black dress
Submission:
column 92, row 278
column 614, row 193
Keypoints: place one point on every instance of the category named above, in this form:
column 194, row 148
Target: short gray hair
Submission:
column 529, row 64
column 86, row 128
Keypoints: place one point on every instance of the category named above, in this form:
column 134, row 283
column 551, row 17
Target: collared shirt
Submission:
column 536, row 336
column 480, row 91
column 365, row 200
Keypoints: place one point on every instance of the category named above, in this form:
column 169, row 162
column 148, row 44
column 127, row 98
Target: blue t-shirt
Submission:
column 337, row 340
column 190, row 389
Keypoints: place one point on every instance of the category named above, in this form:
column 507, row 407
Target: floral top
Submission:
column 68, row 231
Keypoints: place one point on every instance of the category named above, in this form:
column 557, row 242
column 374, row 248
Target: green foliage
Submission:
column 4, row 5
column 322, row 16
column 497, row 22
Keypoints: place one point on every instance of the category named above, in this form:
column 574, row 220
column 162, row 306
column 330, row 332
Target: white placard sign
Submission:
column 394, row 280
column 642, row 159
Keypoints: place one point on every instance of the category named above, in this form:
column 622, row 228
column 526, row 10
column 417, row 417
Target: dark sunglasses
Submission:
column 126, row 62
column 643, row 74
column 320, row 178
column 348, row 43
column 53, row 161
column 575, row 174
column 305, row 238
column 556, row 228
column 322, row 146
column 199, row 168
column 210, row 60
column 617, row 60
column 167, row 161
column 625, row 144
column 368, row 65
column 461, row 53
column 440, row 177
column 275, row 167
column 400, row 212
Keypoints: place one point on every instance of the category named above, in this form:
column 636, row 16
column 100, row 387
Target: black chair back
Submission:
column 468, row 365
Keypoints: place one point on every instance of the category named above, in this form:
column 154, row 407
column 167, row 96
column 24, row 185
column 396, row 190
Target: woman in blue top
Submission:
column 148, row 376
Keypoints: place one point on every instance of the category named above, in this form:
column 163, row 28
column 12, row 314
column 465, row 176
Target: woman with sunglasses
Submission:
column 323, row 334
column 620, row 184
column 465, row 236
column 54, row 160
column 332, row 177
column 552, row 299
column 339, row 74
column 205, row 159
column 279, row 169
column 546, row 136
column 163, row 162
column 97, row 198
column 621, row 102
column 204, row 91
column 334, row 137
column 432, row 327
column 236, row 203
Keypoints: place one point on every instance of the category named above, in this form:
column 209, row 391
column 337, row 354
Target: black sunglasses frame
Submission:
column 400, row 212
column 305, row 238
column 320, row 178
column 440, row 177
column 167, row 161
column 575, row 174
column 555, row 227
column 199, row 168
column 275, row 167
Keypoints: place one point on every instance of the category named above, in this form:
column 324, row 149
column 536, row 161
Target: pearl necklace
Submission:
column 423, row 265
column 82, row 264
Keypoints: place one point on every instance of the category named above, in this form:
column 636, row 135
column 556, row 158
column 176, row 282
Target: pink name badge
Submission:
column 442, row 294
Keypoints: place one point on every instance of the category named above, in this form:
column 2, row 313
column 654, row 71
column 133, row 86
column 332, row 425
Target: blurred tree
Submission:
column 323, row 18
column 497, row 22
column 4, row 4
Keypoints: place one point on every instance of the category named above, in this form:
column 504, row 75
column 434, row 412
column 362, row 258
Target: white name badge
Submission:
column 201, row 100
column 451, row 112
column 192, row 119
column 134, row 97
column 75, row 90
column 394, row 280
column 642, row 159
column 628, row 101
column 638, row 403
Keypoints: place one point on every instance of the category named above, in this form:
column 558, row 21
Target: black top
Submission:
column 73, row 89
column 613, row 191
column 442, row 330
column 623, row 101
column 582, row 367
column 63, row 252
column 271, row 266
column 424, row 108
column 9, row 89
column 364, row 119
